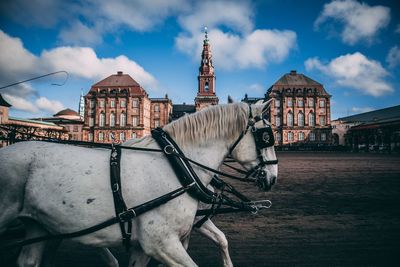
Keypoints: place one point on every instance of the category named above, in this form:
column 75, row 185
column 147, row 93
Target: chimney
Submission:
column 293, row 72
column 119, row 73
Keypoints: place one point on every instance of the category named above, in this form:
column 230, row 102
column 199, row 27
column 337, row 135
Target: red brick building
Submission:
column 300, row 111
column 118, row 107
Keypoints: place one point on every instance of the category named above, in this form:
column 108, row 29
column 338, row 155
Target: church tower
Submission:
column 82, row 105
column 206, row 79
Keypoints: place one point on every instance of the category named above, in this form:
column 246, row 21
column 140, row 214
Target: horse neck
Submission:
column 211, row 154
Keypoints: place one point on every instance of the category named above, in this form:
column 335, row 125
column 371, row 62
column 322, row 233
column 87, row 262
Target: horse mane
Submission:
column 220, row 121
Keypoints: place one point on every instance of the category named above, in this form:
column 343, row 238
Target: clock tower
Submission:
column 206, row 79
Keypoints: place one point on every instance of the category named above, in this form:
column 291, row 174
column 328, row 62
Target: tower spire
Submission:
column 206, row 79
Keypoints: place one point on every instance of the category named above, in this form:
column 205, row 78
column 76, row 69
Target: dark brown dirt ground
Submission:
column 329, row 209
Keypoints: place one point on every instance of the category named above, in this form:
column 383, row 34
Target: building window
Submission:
column 135, row 121
column 122, row 120
column 91, row 103
column 156, row 123
column 206, row 87
column 323, row 136
column 111, row 137
column 122, row 103
column 101, row 136
column 102, row 120
column 278, row 137
column 322, row 120
column 300, row 119
column 156, row 107
column 76, row 129
column 290, row 119
column 289, row 102
column 133, row 135
column 277, row 121
column 90, row 136
column 312, row 136
column 311, row 119
column 122, row 136
column 290, row 136
column 135, row 103
column 322, row 103
column 112, row 103
column 277, row 103
column 91, row 122
column 300, row 102
column 101, row 103
column 112, row 119
column 311, row 102
column 301, row 136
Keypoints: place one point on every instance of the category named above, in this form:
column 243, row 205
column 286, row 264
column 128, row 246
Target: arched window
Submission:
column 290, row 119
column 206, row 87
column 312, row 136
column 122, row 120
column 112, row 119
column 311, row 119
column 102, row 120
column 290, row 136
column 300, row 119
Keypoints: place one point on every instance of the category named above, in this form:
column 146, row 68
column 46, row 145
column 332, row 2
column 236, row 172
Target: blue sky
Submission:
column 351, row 47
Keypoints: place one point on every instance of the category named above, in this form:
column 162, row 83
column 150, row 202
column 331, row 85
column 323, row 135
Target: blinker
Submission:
column 264, row 137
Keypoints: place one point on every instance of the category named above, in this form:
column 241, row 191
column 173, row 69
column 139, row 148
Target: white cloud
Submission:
column 393, row 57
column 21, row 103
column 53, row 106
column 360, row 21
column 85, row 22
column 361, row 109
column 256, row 88
column 80, row 34
column 17, row 62
column 239, row 46
column 355, row 71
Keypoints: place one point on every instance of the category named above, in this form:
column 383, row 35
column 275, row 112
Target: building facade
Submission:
column 377, row 130
column 118, row 108
column 71, row 121
column 300, row 112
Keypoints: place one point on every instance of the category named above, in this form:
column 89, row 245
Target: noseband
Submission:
column 263, row 137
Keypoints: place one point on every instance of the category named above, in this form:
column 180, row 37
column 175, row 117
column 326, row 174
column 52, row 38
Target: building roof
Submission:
column 119, row 79
column 296, row 79
column 374, row 116
column 66, row 112
column 33, row 123
column 180, row 110
column 3, row 102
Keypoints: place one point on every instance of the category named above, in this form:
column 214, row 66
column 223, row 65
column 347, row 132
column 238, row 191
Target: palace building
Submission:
column 118, row 108
column 300, row 111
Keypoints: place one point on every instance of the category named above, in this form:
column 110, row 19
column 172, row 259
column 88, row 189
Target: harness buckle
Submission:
column 115, row 187
column 168, row 149
column 126, row 215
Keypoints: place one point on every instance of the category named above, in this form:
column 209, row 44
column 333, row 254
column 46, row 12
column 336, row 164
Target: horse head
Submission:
column 254, row 149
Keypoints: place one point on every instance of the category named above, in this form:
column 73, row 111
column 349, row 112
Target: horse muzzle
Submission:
column 264, row 181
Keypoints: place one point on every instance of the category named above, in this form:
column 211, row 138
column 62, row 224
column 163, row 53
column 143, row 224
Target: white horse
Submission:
column 62, row 189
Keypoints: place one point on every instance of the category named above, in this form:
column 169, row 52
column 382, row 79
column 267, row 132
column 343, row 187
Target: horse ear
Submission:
column 230, row 100
column 266, row 106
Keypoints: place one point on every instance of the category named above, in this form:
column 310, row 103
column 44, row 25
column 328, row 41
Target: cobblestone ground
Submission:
column 332, row 209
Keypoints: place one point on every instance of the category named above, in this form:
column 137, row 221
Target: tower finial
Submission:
column 205, row 35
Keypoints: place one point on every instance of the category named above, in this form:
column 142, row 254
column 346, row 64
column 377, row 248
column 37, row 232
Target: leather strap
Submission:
column 119, row 203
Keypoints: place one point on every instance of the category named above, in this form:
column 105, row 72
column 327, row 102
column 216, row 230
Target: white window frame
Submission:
column 135, row 120
column 91, row 122
column 290, row 136
column 101, row 136
column 156, row 123
column 289, row 121
column 101, row 103
column 290, row 102
column 323, row 136
column 311, row 119
column 112, row 119
column 122, row 119
column 277, row 103
column 135, row 103
column 112, row 103
column 312, row 136
column 122, row 136
column 122, row 103
column 90, row 137
column 102, row 120
column 322, row 120
column 301, row 136
column 277, row 120
column 311, row 102
column 300, row 119
column 133, row 135
column 300, row 102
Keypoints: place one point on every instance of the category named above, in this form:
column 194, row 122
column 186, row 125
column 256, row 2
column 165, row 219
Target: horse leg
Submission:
column 138, row 258
column 50, row 252
column 31, row 255
column 209, row 230
column 108, row 257
column 170, row 252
